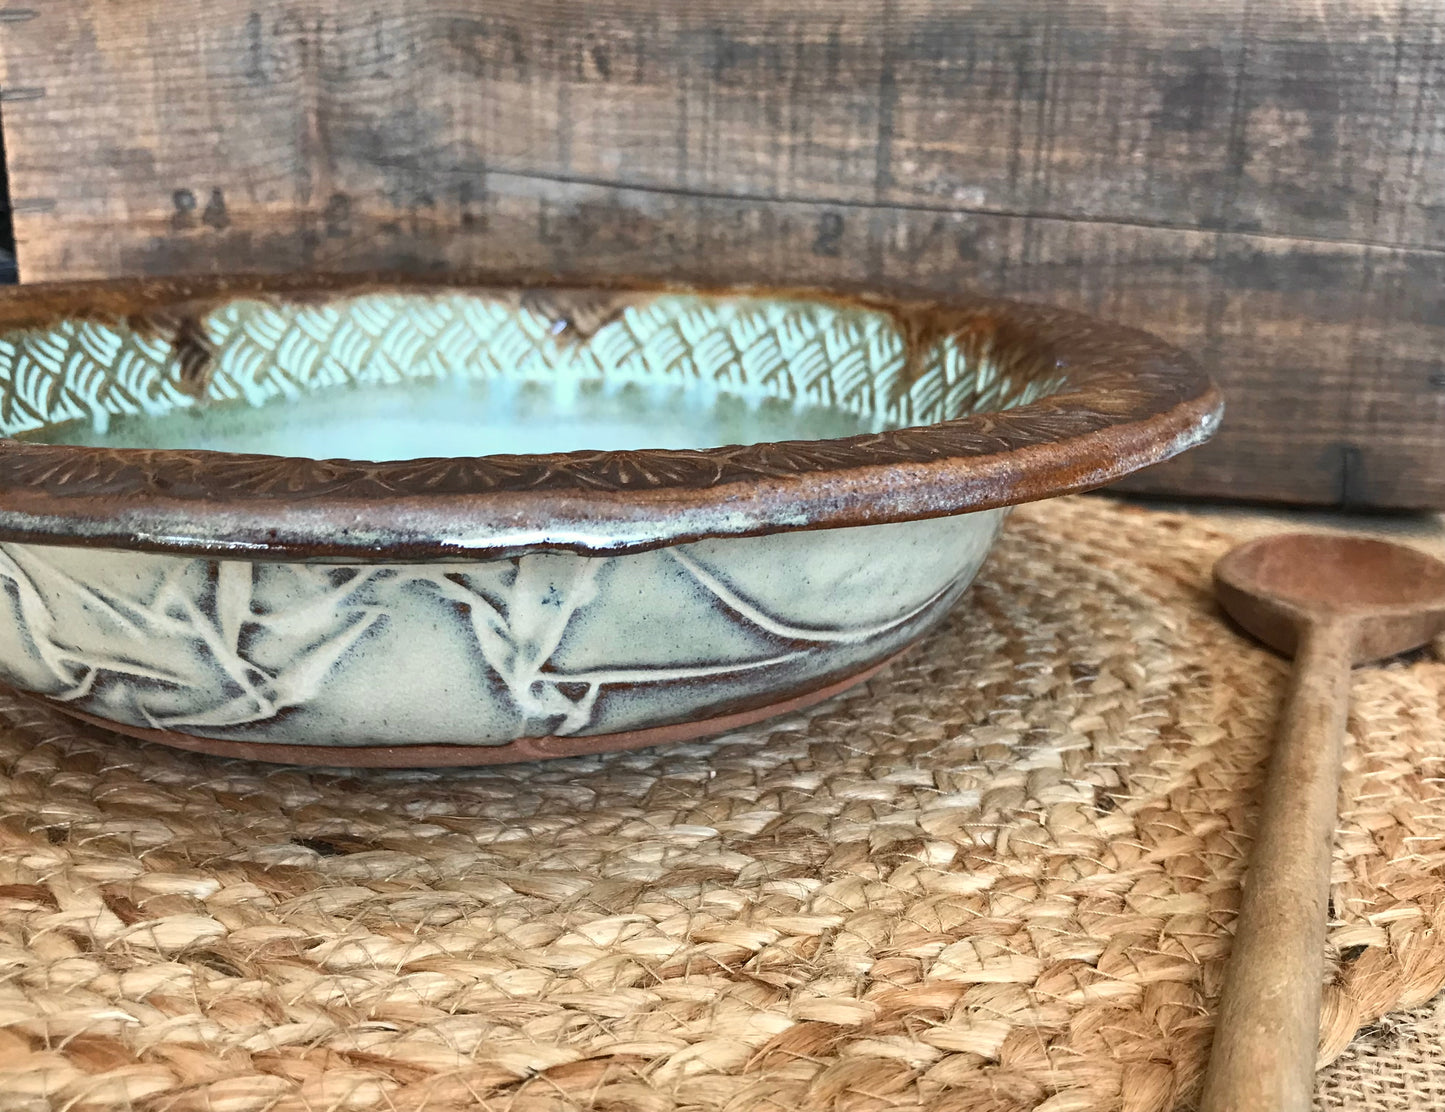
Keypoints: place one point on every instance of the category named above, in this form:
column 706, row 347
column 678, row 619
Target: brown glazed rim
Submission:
column 1128, row 400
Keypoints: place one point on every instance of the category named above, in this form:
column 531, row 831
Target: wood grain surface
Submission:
column 1263, row 184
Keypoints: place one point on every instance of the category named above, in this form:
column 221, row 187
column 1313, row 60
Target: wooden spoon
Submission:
column 1330, row 602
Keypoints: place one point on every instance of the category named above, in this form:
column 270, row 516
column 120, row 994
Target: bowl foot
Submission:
column 435, row 756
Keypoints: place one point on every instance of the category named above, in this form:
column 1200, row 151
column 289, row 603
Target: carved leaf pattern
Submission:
column 173, row 640
column 210, row 647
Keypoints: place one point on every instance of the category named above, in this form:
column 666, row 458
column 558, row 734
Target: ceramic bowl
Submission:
column 395, row 521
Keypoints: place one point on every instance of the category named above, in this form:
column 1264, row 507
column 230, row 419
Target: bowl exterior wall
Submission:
column 473, row 652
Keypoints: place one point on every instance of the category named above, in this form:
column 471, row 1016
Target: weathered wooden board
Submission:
column 1264, row 184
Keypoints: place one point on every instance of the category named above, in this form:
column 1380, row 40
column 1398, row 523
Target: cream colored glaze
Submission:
column 476, row 653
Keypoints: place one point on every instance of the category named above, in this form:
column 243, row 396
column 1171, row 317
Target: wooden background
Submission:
column 1263, row 183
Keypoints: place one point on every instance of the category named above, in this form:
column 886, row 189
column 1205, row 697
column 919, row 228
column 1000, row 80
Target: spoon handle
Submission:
column 1266, row 1035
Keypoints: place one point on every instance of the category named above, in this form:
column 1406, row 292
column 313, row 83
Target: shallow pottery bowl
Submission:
column 375, row 521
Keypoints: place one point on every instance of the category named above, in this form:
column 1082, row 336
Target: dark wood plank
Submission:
column 1264, row 184
column 1293, row 118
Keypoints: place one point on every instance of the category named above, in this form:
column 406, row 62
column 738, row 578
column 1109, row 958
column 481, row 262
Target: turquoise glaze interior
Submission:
column 400, row 375
column 471, row 417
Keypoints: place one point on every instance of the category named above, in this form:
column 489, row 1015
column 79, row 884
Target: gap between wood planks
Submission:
column 48, row 205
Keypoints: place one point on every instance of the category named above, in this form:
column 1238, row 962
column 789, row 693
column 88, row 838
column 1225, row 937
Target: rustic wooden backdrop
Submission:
column 1263, row 183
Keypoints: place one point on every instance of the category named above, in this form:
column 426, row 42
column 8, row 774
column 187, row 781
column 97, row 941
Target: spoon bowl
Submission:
column 1393, row 596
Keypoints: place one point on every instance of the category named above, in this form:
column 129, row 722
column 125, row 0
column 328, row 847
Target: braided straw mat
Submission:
column 1000, row 876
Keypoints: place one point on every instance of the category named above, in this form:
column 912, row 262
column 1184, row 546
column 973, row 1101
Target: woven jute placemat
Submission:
column 999, row 876
column 1396, row 1064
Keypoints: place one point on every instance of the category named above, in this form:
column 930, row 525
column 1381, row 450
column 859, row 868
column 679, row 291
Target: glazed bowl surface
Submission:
column 371, row 520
